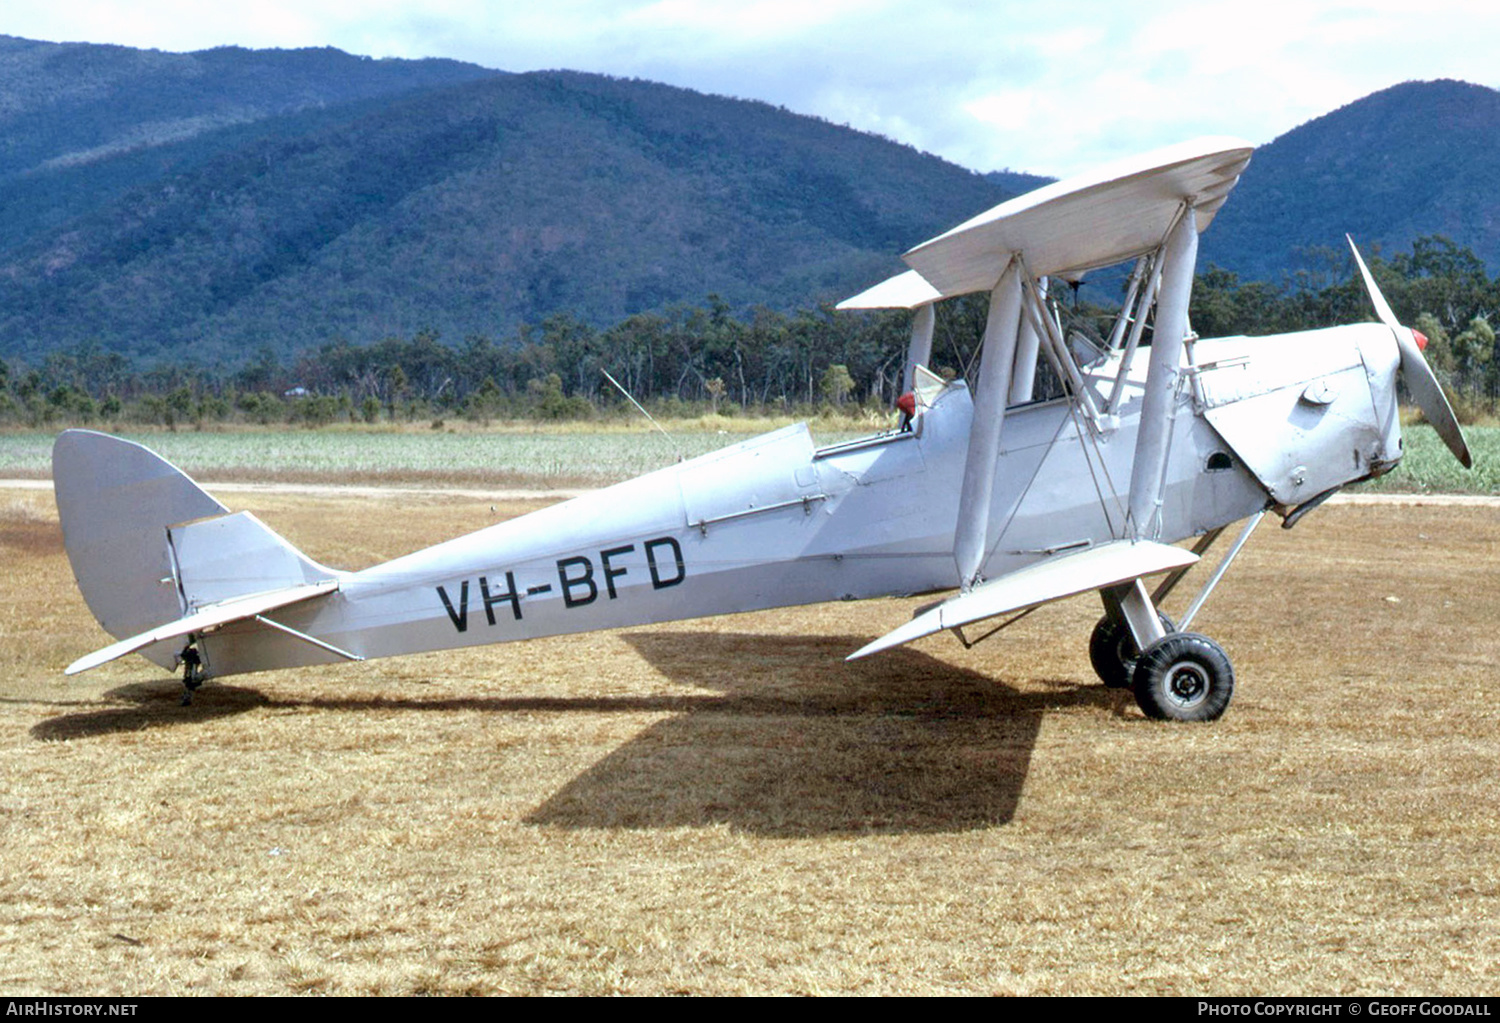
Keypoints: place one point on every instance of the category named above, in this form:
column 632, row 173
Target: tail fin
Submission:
column 150, row 549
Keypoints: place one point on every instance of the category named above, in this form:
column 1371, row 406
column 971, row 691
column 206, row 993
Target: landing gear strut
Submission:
column 192, row 674
column 1113, row 653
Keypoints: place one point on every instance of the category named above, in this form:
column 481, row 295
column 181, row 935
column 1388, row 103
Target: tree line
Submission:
column 1438, row 288
column 692, row 360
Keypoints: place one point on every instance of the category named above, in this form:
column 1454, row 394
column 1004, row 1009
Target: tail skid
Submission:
column 159, row 561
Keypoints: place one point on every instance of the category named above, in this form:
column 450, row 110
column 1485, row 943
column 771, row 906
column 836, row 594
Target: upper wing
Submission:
column 1109, row 215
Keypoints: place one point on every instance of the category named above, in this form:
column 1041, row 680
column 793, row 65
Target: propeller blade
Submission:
column 1382, row 307
column 1424, row 387
column 1420, row 380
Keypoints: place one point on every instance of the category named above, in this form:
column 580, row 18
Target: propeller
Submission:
column 1420, row 380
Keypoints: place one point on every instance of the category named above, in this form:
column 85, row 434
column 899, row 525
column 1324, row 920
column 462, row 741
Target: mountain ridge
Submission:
column 1415, row 159
column 477, row 207
column 229, row 200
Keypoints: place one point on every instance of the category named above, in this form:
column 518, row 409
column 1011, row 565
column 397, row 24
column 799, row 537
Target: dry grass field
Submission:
column 726, row 807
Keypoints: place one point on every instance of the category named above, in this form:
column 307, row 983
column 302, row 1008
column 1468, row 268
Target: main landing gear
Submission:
column 1113, row 652
column 1184, row 676
column 1175, row 675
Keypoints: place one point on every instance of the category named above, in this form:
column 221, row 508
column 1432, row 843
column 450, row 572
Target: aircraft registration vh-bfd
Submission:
column 1001, row 490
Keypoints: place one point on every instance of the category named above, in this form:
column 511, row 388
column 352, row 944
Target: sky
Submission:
column 1049, row 88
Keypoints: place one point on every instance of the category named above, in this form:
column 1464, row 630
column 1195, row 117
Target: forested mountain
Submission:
column 1417, row 159
column 475, row 208
column 1017, row 181
column 230, row 202
column 81, row 123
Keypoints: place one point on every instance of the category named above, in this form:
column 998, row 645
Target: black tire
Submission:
column 1184, row 677
column 1113, row 653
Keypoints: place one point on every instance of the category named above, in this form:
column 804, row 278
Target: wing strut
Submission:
column 971, row 539
column 919, row 351
column 1041, row 321
column 1117, row 334
column 1028, row 346
column 1137, row 326
column 1158, row 405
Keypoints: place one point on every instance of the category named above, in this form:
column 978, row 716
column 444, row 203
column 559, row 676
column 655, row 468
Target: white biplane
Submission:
column 1009, row 497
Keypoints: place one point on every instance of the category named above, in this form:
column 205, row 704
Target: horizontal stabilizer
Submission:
column 206, row 620
column 1054, row 577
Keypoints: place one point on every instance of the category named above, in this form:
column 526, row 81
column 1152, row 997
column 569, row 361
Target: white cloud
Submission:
column 754, row 22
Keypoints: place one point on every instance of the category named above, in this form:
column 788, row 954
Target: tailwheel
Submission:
column 192, row 674
column 1113, row 653
column 1184, row 677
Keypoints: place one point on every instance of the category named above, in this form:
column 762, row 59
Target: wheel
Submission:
column 1184, row 677
column 1113, row 653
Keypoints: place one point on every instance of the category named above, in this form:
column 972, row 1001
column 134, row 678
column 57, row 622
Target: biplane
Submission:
column 1067, row 466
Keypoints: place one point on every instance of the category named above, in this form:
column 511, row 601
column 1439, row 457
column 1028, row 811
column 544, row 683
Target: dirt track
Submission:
column 501, row 494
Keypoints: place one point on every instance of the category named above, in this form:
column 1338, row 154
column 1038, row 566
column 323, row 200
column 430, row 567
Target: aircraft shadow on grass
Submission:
column 789, row 740
column 142, row 705
column 802, row 743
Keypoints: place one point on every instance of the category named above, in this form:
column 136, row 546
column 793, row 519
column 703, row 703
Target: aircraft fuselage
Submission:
column 774, row 521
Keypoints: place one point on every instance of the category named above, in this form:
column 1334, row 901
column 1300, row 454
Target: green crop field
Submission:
column 1428, row 467
column 572, row 456
column 555, row 457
